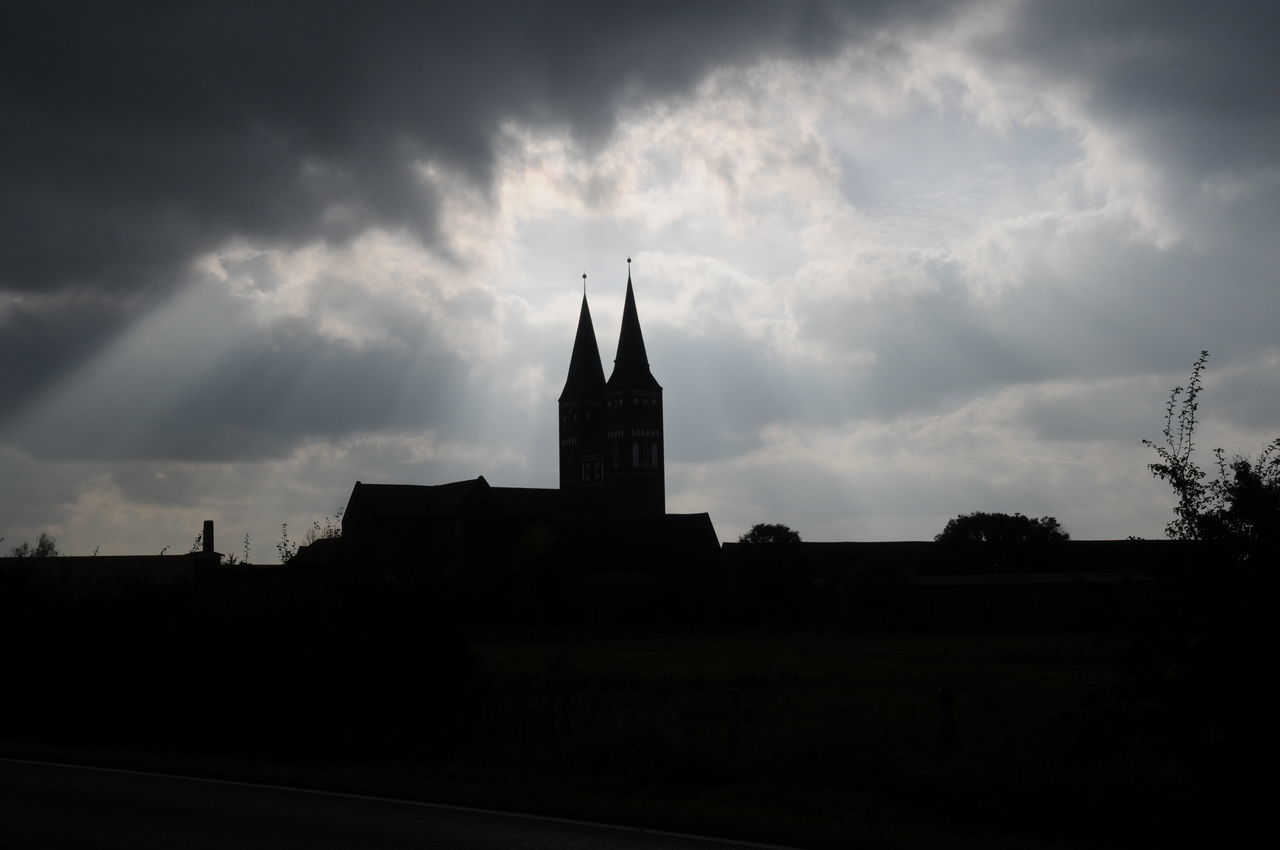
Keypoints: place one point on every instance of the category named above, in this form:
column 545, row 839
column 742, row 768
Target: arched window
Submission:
column 653, row 456
column 635, row 454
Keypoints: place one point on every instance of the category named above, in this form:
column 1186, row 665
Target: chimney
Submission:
column 208, row 536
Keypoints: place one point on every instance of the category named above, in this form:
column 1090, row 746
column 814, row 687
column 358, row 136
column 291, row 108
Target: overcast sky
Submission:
column 893, row 261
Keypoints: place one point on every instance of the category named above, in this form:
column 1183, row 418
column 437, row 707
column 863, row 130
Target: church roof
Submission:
column 474, row 496
column 403, row 501
column 586, row 375
column 631, row 364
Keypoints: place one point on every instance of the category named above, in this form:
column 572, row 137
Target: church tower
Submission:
column 582, row 420
column 634, row 476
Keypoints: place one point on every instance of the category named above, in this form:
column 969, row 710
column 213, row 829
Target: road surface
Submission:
column 45, row 806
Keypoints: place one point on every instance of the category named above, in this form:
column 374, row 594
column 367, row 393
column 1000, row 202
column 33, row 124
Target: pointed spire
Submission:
column 586, row 375
column 631, row 364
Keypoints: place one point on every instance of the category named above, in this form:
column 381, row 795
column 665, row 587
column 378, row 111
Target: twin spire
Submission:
column 630, row 364
column 586, row 377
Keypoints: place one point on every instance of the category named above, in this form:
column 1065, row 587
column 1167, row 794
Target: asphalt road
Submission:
column 68, row 807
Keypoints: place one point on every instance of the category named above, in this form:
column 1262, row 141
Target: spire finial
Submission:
column 628, row 269
column 584, row 284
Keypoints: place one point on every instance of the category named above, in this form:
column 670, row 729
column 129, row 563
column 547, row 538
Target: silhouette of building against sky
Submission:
column 611, row 450
column 610, row 507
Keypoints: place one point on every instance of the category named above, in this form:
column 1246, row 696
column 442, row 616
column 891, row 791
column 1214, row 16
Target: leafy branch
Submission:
column 1176, row 464
column 1241, row 505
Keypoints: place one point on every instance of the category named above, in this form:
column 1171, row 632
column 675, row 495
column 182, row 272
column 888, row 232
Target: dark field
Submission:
column 811, row 740
column 891, row 741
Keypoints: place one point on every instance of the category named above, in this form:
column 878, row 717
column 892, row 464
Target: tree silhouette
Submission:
column 1244, row 506
column 46, row 547
column 1215, row 658
column 982, row 527
column 1176, row 464
column 764, row 533
column 1241, row 505
column 774, row 572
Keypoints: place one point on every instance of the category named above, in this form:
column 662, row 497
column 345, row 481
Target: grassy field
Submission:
column 827, row 740
column 821, row 741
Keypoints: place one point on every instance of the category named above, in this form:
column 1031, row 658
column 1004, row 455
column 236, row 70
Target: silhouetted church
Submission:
column 611, row 431
column 610, row 506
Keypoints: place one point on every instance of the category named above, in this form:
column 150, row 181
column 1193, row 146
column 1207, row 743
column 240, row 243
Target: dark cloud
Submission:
column 722, row 392
column 1117, row 411
column 205, row 382
column 1194, row 83
column 1248, row 397
column 1117, row 309
column 38, row 342
column 139, row 135
column 34, row 494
